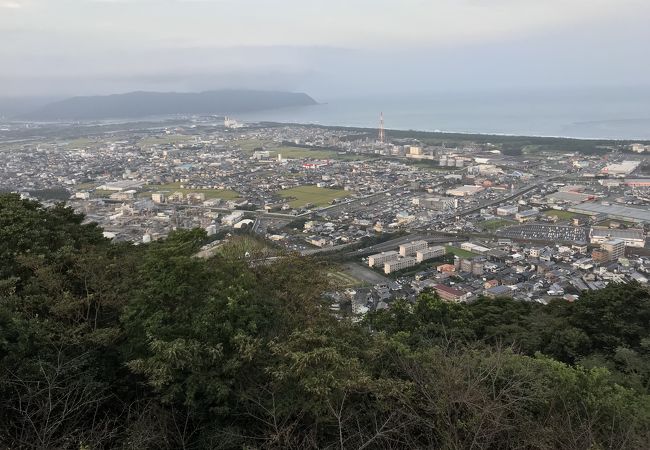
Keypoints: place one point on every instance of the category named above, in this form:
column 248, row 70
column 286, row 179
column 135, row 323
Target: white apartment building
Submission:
column 380, row 258
column 399, row 264
column 429, row 253
column 411, row 248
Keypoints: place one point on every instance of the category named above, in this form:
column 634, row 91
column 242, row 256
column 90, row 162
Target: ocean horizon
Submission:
column 582, row 114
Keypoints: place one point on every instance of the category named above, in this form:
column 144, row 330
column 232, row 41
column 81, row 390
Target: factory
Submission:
column 631, row 237
column 617, row 212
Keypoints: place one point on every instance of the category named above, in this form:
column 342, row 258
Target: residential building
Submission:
column 396, row 265
column 430, row 253
column 411, row 248
column 380, row 258
column 450, row 294
column 615, row 248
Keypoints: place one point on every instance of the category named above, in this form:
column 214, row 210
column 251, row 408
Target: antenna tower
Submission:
column 382, row 133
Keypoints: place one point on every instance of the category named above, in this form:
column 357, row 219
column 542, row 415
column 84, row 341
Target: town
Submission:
column 390, row 216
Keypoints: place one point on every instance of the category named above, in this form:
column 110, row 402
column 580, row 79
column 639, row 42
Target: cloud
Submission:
column 11, row 4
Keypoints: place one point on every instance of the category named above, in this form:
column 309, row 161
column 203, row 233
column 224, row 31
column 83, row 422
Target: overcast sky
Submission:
column 324, row 47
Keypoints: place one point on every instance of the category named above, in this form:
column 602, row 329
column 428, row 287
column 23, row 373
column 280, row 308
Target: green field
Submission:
column 306, row 153
column 165, row 140
column 495, row 224
column 343, row 280
column 303, row 195
column 561, row 215
column 248, row 146
column 225, row 194
column 608, row 222
column 85, row 186
column 457, row 251
column 80, row 142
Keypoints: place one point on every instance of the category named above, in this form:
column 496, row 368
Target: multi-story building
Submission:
column 525, row 216
column 507, row 210
column 466, row 265
column 615, row 248
column 599, row 255
column 430, row 253
column 158, row 197
column 380, row 258
column 399, row 264
column 450, row 294
column 411, row 248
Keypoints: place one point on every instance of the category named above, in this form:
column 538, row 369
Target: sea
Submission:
column 604, row 113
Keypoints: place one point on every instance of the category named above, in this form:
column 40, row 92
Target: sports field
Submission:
column 303, row 195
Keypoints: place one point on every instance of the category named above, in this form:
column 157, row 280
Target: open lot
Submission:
column 457, row 251
column 495, row 224
column 561, row 215
column 344, row 280
column 303, row 195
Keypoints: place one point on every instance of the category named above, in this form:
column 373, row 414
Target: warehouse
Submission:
column 632, row 238
column 613, row 212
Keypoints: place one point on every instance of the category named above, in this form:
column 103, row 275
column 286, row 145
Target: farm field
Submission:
column 303, row 195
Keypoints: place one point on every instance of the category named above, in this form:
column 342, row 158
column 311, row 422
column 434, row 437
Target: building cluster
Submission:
column 409, row 255
column 473, row 221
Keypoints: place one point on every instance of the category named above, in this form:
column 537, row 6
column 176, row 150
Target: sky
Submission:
column 326, row 48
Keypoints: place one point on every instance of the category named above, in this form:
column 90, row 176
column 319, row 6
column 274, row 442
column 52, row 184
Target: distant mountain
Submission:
column 17, row 106
column 144, row 104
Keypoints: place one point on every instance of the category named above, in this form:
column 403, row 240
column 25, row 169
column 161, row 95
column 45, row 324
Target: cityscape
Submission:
column 397, row 215
column 324, row 225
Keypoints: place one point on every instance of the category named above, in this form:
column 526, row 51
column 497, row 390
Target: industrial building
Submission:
column 622, row 169
column 464, row 191
column 617, row 212
column 507, row 210
column 526, row 216
column 474, row 248
column 631, row 237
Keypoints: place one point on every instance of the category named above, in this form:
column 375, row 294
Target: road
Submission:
column 517, row 193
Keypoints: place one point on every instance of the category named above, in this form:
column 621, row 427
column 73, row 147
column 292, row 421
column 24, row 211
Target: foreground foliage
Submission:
column 120, row 346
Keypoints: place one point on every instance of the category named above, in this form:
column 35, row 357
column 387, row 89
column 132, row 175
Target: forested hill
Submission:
column 118, row 346
column 145, row 104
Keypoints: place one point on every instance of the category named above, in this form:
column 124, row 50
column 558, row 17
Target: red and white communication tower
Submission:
column 382, row 132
